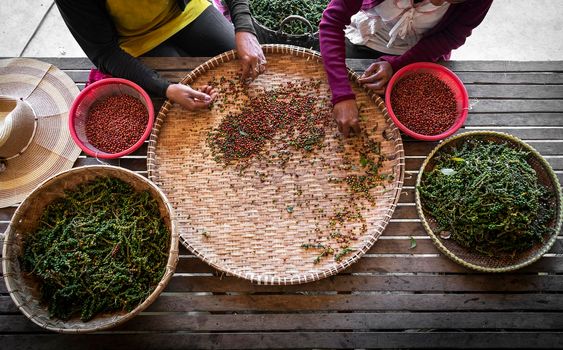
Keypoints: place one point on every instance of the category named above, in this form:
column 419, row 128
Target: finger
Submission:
column 345, row 130
column 206, row 89
column 255, row 69
column 246, row 68
column 356, row 128
column 195, row 104
column 375, row 86
column 378, row 75
column 198, row 95
column 213, row 96
column 371, row 69
column 368, row 79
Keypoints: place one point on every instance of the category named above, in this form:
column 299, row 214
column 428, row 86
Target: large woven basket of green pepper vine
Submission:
column 489, row 201
column 89, row 249
column 263, row 184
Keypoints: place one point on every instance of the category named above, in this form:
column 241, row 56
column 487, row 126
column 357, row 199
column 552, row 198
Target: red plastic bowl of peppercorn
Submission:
column 111, row 118
column 427, row 101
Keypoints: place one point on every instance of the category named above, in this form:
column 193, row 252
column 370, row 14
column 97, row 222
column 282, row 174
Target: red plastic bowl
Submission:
column 445, row 75
column 98, row 91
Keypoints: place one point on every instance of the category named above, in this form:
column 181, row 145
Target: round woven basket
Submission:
column 473, row 259
column 253, row 223
column 25, row 290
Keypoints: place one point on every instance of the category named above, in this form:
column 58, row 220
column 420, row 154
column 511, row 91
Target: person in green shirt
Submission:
column 114, row 33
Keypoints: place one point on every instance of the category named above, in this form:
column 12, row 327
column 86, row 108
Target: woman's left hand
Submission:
column 376, row 76
column 250, row 55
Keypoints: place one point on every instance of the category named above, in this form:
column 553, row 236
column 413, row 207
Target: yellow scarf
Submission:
column 142, row 25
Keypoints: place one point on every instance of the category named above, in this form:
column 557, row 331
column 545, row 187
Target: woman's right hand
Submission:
column 346, row 115
column 189, row 98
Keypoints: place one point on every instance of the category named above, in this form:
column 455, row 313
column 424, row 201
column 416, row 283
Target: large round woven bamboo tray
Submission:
column 468, row 257
column 253, row 223
column 25, row 291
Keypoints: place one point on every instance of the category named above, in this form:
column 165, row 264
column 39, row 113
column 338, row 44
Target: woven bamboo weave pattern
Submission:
column 25, row 290
column 251, row 221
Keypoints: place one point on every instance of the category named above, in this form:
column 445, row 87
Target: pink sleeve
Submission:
column 333, row 49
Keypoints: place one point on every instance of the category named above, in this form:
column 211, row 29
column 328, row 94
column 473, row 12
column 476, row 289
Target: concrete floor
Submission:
column 513, row 30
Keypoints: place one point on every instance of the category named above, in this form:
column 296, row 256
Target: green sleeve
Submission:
column 240, row 15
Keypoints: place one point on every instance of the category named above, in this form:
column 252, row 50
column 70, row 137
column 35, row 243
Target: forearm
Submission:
column 332, row 44
column 240, row 15
column 120, row 64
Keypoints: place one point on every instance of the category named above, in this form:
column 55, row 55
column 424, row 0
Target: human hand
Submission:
column 189, row 98
column 250, row 55
column 376, row 76
column 346, row 115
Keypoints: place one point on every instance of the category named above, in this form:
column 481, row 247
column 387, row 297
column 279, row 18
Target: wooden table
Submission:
column 395, row 296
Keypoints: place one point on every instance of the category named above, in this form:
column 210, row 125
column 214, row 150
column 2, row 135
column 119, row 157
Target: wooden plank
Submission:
column 18, row 324
column 405, row 212
column 281, row 340
column 514, row 119
column 69, row 63
column 382, row 283
column 359, row 302
column 331, row 321
column 540, row 78
column 191, row 62
column 135, row 164
column 296, row 340
column 387, row 265
column 78, row 76
column 7, row 213
column 7, row 305
column 512, row 105
column 505, row 66
column 176, row 322
column 514, row 91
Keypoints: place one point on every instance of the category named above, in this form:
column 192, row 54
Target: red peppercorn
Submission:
column 116, row 123
column 424, row 104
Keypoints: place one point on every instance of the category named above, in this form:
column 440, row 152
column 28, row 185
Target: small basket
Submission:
column 473, row 259
column 268, row 36
column 25, row 291
column 96, row 92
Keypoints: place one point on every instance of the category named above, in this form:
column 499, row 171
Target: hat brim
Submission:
column 50, row 93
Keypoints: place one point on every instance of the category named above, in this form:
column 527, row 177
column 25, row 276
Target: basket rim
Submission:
column 552, row 176
column 302, row 277
column 173, row 253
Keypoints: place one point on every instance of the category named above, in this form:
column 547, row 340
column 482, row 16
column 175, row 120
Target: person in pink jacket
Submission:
column 393, row 32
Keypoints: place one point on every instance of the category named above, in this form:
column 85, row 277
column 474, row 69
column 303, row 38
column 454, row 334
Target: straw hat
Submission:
column 35, row 143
